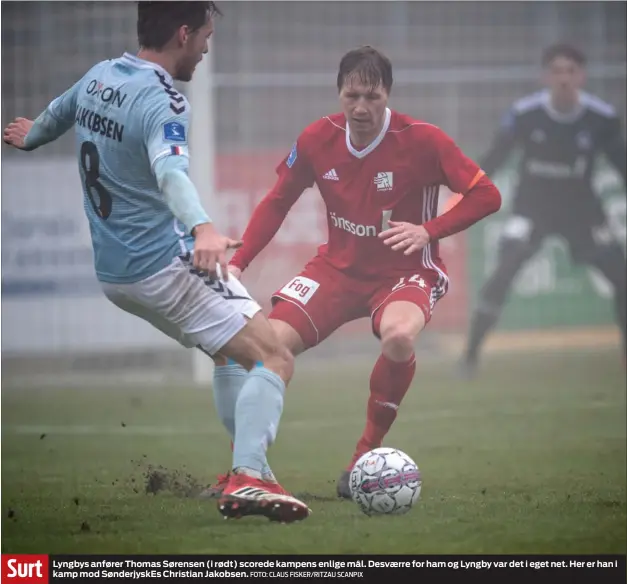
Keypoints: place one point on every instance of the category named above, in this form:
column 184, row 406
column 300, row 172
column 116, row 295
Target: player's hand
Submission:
column 210, row 249
column 235, row 271
column 407, row 236
column 15, row 132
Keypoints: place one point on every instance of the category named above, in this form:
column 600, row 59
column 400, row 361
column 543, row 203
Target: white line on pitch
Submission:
column 215, row 428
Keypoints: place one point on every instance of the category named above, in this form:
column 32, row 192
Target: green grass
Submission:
column 530, row 458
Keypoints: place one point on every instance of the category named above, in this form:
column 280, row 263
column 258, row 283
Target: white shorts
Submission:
column 186, row 305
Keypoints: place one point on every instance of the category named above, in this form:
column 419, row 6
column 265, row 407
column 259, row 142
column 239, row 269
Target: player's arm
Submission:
column 51, row 124
column 480, row 199
column 614, row 147
column 294, row 176
column 165, row 139
column 179, row 192
column 502, row 145
column 460, row 174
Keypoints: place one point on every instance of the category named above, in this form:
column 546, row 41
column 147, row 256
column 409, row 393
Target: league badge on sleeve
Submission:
column 174, row 132
column 291, row 159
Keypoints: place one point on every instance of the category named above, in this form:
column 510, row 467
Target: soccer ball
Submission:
column 385, row 481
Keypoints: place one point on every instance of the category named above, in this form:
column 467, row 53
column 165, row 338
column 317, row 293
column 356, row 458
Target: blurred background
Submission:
column 456, row 64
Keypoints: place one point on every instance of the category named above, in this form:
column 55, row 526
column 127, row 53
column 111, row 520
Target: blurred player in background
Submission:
column 561, row 131
column 145, row 217
column 378, row 172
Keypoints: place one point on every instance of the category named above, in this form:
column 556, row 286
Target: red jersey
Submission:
column 395, row 177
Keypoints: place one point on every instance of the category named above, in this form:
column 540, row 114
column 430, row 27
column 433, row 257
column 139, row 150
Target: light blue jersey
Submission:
column 126, row 116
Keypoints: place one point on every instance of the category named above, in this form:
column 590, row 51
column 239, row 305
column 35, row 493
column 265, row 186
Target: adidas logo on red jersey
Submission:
column 331, row 175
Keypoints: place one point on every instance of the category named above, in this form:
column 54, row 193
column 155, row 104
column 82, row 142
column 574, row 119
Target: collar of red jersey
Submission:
column 134, row 60
column 368, row 149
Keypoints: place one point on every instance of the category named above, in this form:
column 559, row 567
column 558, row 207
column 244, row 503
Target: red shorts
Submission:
column 321, row 298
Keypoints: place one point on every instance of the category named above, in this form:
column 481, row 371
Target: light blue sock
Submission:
column 257, row 415
column 228, row 381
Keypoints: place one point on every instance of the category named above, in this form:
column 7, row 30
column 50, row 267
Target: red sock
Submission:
column 389, row 383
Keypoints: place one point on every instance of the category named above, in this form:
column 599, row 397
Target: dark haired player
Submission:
column 157, row 253
column 378, row 172
column 561, row 131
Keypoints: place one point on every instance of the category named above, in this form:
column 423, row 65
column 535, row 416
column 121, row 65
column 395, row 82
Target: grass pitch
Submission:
column 529, row 458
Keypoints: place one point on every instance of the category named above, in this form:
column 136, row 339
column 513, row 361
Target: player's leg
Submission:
column 228, row 379
column 291, row 326
column 257, row 414
column 306, row 310
column 314, row 304
column 229, row 375
column 401, row 322
column 519, row 242
column 597, row 247
column 311, row 306
column 198, row 307
column 260, row 401
column 226, row 387
column 400, row 312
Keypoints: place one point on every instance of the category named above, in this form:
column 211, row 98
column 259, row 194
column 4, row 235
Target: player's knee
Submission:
column 279, row 358
column 219, row 360
column 398, row 341
column 292, row 327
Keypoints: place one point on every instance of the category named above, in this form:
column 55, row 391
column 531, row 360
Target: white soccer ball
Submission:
column 385, row 481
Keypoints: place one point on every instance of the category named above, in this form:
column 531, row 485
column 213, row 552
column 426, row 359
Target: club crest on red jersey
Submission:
column 384, row 181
